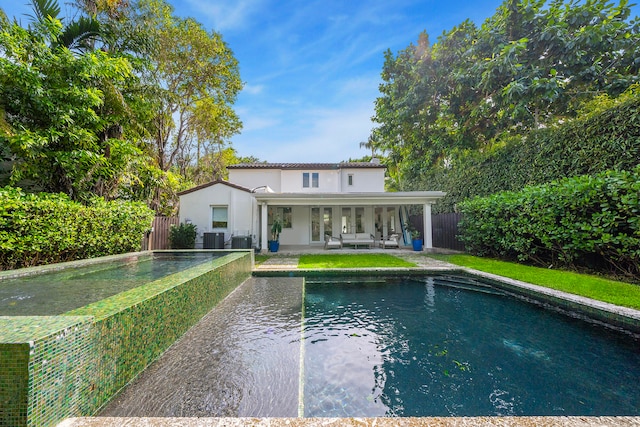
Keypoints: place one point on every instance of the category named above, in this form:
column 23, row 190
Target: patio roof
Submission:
column 367, row 199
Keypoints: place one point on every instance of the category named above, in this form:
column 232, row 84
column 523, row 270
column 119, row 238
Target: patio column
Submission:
column 428, row 237
column 263, row 228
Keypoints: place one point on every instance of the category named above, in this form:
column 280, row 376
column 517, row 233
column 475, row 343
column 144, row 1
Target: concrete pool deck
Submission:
column 285, row 263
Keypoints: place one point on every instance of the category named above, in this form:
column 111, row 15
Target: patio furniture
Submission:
column 357, row 239
column 331, row 242
column 390, row 241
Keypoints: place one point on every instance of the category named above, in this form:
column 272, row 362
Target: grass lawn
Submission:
column 352, row 261
column 259, row 259
column 598, row 288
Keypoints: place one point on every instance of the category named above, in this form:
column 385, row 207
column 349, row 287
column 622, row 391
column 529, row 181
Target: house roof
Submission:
column 295, row 166
column 209, row 184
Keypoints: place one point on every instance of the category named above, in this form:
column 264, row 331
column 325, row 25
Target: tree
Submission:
column 531, row 65
column 54, row 104
column 197, row 82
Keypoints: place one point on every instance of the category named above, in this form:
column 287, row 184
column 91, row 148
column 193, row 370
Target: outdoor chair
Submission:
column 390, row 241
column 332, row 242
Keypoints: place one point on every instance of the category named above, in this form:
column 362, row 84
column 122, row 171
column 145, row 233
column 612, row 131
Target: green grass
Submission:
column 598, row 288
column 352, row 261
column 259, row 259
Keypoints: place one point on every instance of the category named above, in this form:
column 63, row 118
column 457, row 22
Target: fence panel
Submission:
column 445, row 230
column 159, row 237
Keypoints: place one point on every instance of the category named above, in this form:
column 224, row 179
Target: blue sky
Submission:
column 312, row 68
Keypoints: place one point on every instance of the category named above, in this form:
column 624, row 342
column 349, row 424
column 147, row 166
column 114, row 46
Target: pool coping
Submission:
column 360, row 422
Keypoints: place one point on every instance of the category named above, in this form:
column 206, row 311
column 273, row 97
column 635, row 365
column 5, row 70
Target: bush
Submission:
column 47, row 228
column 182, row 236
column 587, row 221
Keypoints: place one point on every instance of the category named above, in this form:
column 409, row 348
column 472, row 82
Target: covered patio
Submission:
column 309, row 217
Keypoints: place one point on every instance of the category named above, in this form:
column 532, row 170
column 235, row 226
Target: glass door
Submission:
column 321, row 225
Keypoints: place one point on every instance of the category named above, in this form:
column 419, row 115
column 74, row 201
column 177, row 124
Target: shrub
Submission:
column 47, row 228
column 182, row 236
column 586, row 221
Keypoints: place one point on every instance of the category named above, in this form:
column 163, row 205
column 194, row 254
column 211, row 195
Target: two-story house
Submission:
column 311, row 199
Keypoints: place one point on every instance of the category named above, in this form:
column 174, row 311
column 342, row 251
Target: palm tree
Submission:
column 79, row 35
column 371, row 143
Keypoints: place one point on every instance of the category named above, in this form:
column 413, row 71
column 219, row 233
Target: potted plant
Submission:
column 276, row 229
column 416, row 241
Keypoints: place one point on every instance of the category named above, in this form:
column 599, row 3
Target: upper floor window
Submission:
column 350, row 179
column 315, row 179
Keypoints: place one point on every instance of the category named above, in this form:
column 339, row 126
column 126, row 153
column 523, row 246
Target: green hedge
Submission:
column 608, row 138
column 586, row 221
column 47, row 228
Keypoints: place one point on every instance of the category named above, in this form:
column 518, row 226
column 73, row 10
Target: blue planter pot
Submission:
column 274, row 245
column 417, row 244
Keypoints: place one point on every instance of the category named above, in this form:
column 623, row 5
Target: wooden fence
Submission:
column 159, row 237
column 445, row 230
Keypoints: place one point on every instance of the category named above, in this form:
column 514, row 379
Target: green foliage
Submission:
column 182, row 236
column 61, row 109
column 120, row 101
column 47, row 228
column 586, row 221
column 605, row 137
column 276, row 228
column 532, row 65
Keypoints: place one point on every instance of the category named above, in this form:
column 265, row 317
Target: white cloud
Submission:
column 226, row 15
column 322, row 135
column 253, row 89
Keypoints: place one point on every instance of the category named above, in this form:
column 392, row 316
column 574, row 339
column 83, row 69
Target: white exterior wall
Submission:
column 364, row 180
column 252, row 178
column 328, row 181
column 242, row 215
column 298, row 234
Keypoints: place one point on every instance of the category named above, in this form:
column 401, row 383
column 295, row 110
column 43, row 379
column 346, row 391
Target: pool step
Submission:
column 466, row 284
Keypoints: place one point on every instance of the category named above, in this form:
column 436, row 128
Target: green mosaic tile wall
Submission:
column 54, row 367
column 44, row 368
column 136, row 335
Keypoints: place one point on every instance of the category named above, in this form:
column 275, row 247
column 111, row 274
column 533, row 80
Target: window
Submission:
column 283, row 213
column 315, row 179
column 350, row 179
column 219, row 216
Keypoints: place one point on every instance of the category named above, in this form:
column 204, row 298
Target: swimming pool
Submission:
column 59, row 291
column 408, row 346
column 72, row 363
column 437, row 347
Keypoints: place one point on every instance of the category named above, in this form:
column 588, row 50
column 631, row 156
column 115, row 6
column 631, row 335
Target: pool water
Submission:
column 430, row 347
column 60, row 291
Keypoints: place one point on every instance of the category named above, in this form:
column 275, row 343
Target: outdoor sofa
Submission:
column 357, row 239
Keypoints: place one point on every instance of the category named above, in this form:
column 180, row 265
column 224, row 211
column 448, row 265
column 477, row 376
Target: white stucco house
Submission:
column 312, row 200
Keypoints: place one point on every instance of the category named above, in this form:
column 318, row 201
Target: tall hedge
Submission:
column 607, row 138
column 46, row 228
column 585, row 221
